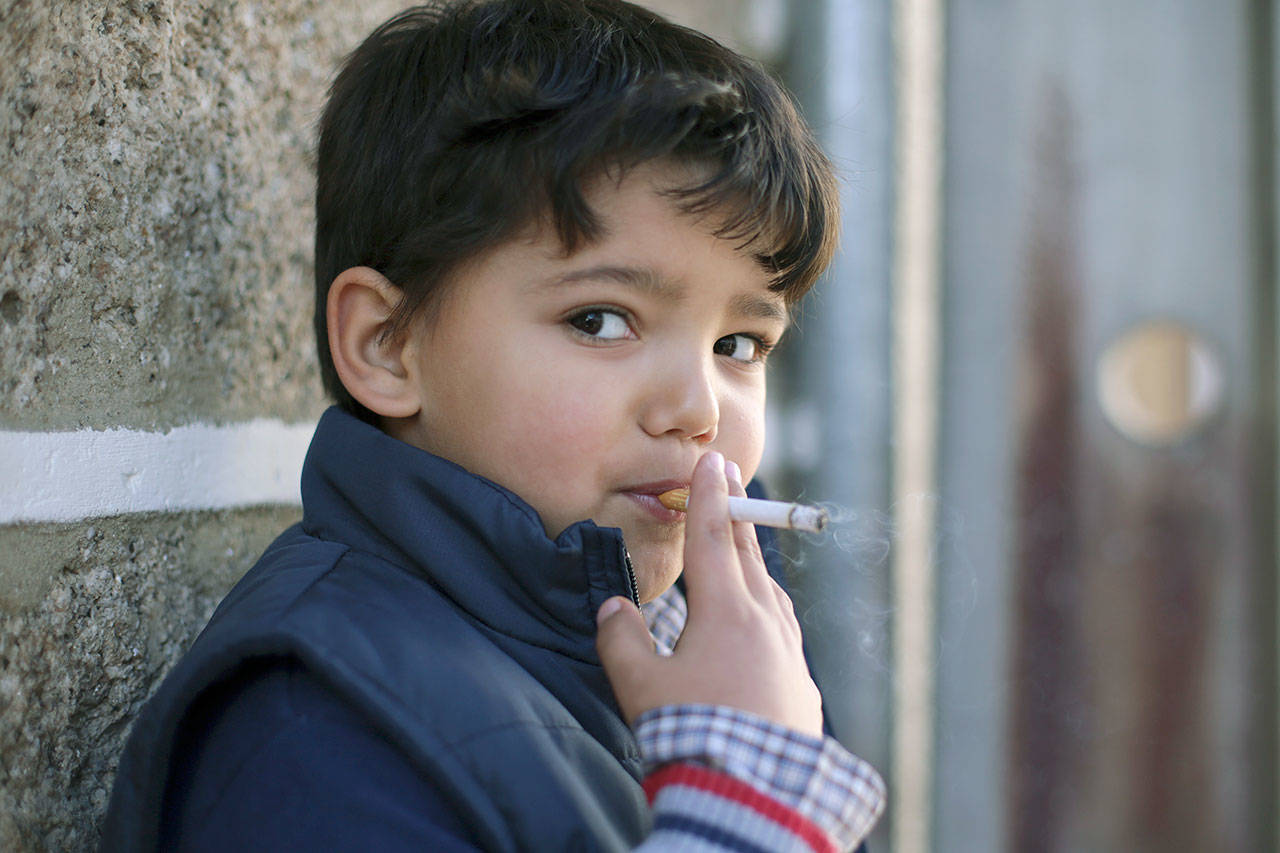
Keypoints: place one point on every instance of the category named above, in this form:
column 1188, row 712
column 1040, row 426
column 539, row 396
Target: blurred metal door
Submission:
column 1104, row 570
column 1109, row 167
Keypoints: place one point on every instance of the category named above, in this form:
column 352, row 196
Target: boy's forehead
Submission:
column 612, row 193
column 640, row 212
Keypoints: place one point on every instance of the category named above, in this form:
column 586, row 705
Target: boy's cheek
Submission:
column 742, row 433
column 554, row 457
column 564, row 425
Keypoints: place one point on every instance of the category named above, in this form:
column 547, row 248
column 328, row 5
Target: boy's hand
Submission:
column 741, row 644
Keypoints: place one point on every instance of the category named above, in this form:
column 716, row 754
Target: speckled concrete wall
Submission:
column 155, row 243
column 155, row 271
column 122, row 599
column 156, row 207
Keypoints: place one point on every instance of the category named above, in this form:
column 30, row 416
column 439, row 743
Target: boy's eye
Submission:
column 740, row 347
column 601, row 324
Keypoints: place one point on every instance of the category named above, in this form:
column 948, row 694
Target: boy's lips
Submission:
column 645, row 495
column 657, row 487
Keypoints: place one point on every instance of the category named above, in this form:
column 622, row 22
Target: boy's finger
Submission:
column 626, row 650
column 788, row 608
column 744, row 537
column 711, row 565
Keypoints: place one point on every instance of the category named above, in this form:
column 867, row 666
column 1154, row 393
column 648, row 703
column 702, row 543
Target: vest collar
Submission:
column 478, row 543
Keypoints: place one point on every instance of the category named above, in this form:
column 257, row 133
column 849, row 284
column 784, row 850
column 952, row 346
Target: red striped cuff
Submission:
column 732, row 789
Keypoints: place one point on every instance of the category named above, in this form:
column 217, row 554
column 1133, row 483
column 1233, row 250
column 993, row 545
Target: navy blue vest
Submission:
column 432, row 601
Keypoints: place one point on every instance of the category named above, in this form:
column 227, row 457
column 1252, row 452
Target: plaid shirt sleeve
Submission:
column 723, row 779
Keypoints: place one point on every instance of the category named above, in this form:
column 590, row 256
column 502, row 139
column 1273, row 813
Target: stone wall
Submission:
column 155, row 271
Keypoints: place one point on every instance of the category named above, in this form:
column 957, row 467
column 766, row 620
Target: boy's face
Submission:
column 588, row 384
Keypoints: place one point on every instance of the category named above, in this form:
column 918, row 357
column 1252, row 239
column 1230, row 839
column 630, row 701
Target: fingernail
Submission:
column 732, row 471
column 607, row 609
column 717, row 459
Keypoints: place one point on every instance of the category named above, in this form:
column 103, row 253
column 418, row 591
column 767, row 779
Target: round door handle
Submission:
column 1159, row 382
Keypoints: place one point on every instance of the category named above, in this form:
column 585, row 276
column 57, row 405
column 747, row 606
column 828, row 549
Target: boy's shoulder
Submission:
column 360, row 622
column 465, row 714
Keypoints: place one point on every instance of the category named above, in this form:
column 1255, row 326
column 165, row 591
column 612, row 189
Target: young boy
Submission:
column 555, row 241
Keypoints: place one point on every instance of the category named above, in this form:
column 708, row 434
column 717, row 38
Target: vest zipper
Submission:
column 631, row 578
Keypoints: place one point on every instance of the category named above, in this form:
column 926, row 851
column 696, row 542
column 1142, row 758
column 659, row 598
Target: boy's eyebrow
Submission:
column 760, row 308
column 641, row 278
column 654, row 284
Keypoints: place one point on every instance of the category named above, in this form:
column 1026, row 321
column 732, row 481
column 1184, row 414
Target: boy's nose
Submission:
column 683, row 402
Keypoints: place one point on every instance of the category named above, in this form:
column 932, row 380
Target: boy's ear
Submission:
column 375, row 371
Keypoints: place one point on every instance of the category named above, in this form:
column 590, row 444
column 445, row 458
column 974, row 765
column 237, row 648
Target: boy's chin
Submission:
column 656, row 570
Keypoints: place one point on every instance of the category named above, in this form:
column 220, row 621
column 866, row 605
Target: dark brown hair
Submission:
column 457, row 123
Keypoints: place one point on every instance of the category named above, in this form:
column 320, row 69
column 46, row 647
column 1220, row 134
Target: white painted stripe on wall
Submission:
column 66, row 476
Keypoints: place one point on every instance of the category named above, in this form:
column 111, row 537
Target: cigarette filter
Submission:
column 788, row 516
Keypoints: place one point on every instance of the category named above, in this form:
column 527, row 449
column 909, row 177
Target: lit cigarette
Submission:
column 788, row 516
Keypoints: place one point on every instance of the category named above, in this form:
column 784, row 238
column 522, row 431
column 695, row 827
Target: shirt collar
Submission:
column 665, row 616
column 477, row 542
